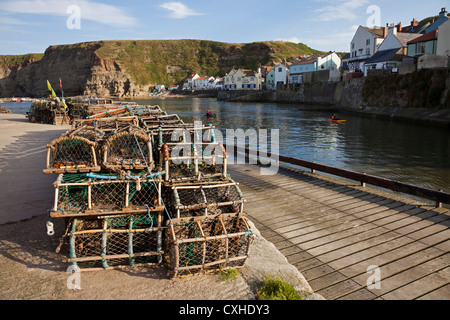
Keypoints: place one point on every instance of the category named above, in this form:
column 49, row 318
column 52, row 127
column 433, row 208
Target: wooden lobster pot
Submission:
column 78, row 195
column 111, row 241
column 71, row 154
column 128, row 150
column 106, row 124
column 204, row 198
column 197, row 244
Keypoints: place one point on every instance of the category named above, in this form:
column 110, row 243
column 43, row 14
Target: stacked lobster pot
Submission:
column 145, row 187
column 206, row 226
column 107, row 193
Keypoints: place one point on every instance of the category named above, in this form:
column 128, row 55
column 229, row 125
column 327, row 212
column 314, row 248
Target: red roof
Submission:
column 433, row 35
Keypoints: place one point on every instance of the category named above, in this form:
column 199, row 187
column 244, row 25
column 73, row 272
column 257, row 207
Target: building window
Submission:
column 280, row 69
column 353, row 46
column 239, row 79
column 367, row 42
column 367, row 50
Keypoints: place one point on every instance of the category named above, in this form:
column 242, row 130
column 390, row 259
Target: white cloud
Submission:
column 99, row 12
column 338, row 40
column 10, row 21
column 179, row 10
column 342, row 9
column 291, row 39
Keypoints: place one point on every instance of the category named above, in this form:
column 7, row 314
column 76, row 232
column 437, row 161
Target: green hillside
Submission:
column 171, row 61
column 11, row 60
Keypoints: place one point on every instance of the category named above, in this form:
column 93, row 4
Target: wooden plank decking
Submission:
column 333, row 231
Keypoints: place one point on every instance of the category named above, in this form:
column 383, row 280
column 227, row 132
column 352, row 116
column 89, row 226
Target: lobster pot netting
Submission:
column 194, row 161
column 72, row 154
column 161, row 120
column 105, row 242
column 185, row 134
column 208, row 199
column 129, row 150
column 146, row 111
column 190, row 152
column 107, row 124
column 209, row 243
column 87, row 194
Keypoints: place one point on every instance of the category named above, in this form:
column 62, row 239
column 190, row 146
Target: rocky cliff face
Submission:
column 79, row 68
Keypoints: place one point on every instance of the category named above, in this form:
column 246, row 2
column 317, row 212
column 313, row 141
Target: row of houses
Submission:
column 392, row 48
column 196, row 82
column 299, row 71
column 395, row 47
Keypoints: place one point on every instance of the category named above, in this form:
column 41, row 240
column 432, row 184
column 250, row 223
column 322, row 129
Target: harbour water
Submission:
column 405, row 152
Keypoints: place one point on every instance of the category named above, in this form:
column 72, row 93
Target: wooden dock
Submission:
column 335, row 232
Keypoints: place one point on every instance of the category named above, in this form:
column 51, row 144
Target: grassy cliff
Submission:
column 171, row 61
column 130, row 68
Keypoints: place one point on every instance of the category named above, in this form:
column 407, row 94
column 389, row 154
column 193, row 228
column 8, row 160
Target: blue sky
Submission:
column 28, row 26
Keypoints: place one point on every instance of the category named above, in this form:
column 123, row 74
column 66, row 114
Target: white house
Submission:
column 443, row 41
column 397, row 39
column 201, row 83
column 364, row 44
column 214, row 83
column 219, row 84
column 189, row 84
column 392, row 50
column 160, row 88
column 327, row 61
column 281, row 74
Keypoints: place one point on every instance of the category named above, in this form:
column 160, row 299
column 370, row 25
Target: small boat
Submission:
column 337, row 121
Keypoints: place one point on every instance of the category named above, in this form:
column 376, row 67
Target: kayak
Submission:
column 337, row 121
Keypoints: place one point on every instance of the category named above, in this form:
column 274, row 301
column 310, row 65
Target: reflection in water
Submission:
column 405, row 152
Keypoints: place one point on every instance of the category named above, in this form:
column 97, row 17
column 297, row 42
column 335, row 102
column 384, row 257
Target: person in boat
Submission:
column 210, row 114
column 333, row 117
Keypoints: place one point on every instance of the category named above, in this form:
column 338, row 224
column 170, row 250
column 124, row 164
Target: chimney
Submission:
column 393, row 28
column 414, row 23
column 399, row 27
column 385, row 32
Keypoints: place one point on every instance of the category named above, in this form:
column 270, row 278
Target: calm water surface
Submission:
column 401, row 151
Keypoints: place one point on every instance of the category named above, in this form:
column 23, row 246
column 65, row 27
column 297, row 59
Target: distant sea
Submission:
column 17, row 107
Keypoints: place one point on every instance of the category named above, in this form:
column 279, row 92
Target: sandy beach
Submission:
column 30, row 269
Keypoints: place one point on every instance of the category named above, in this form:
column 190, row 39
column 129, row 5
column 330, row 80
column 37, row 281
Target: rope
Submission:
column 150, row 217
column 150, row 173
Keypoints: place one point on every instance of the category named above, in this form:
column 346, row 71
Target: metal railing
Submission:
column 438, row 196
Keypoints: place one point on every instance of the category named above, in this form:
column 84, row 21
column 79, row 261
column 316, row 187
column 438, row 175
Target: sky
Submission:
column 31, row 26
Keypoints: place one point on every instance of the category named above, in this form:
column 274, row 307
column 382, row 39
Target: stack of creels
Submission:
column 107, row 193
column 206, row 227
column 145, row 187
column 207, row 243
column 189, row 154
